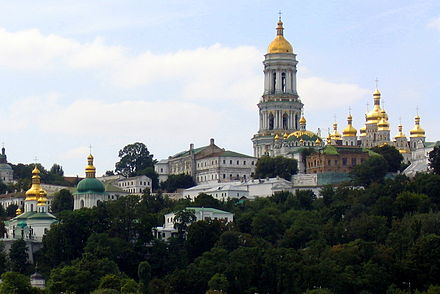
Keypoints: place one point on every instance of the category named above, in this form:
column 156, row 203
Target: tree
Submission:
column 63, row 200
column 391, row 155
column 109, row 173
column 175, row 182
column 18, row 256
column 371, row 170
column 271, row 167
column 182, row 220
column 144, row 275
column 202, row 236
column 56, row 169
column 3, row 187
column 11, row 210
column 13, row 282
column 133, row 159
column 218, row 282
column 110, row 282
column 434, row 160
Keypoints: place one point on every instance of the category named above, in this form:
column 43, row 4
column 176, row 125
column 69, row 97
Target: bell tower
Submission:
column 280, row 107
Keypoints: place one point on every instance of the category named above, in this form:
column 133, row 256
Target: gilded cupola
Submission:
column 400, row 134
column 42, row 199
column 349, row 130
column 90, row 168
column 34, row 192
column 417, row 131
column 280, row 44
column 374, row 116
column 335, row 135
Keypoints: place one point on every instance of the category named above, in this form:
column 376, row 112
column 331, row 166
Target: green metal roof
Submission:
column 186, row 152
column 90, row 185
column 207, row 209
column 233, row 154
column 34, row 215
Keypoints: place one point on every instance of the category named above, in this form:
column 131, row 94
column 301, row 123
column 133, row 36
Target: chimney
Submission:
column 191, row 147
column 211, row 142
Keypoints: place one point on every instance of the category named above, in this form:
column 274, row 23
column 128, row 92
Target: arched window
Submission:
column 283, row 82
column 271, row 121
column 81, row 204
column 296, row 121
column 285, row 121
column 274, row 81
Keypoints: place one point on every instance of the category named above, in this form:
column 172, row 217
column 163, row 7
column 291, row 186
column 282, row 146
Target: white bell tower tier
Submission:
column 280, row 107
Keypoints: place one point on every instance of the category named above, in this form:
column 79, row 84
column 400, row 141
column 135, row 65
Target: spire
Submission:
column 280, row 28
column 3, row 158
column 90, row 169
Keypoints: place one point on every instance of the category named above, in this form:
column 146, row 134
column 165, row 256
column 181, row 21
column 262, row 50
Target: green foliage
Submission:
column 63, row 200
column 144, row 274
column 183, row 219
column 18, row 256
column 110, row 282
column 371, row 170
column 434, row 160
column 218, row 282
column 202, row 236
column 175, row 182
column 13, row 282
column 271, row 167
column 391, row 155
column 133, row 159
column 11, row 210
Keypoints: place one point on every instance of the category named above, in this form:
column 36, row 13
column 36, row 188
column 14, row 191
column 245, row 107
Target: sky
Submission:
column 171, row 73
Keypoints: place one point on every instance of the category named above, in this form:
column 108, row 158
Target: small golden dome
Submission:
column 349, row 131
column 277, row 137
column 317, row 142
column 335, row 135
column 363, row 131
column 302, row 120
column 42, row 199
column 280, row 44
column 383, row 125
column 400, row 134
column 417, row 131
column 285, row 135
column 90, row 168
column 376, row 92
column 18, row 211
column 33, row 193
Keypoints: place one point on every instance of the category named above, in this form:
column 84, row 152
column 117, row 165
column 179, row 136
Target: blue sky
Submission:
column 171, row 73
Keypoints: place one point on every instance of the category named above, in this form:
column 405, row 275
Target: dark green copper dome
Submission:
column 90, row 185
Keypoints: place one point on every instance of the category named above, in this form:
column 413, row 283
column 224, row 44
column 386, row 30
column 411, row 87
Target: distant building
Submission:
column 250, row 189
column 208, row 164
column 134, row 185
column 89, row 191
column 33, row 219
column 6, row 172
column 340, row 159
column 167, row 230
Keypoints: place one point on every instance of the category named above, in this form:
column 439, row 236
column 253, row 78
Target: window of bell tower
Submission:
column 271, row 121
column 283, row 82
column 285, row 121
column 274, row 82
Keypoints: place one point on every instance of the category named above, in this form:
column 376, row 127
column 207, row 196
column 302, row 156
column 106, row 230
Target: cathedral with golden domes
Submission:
column 282, row 125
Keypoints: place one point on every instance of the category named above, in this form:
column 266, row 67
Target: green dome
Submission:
column 90, row 185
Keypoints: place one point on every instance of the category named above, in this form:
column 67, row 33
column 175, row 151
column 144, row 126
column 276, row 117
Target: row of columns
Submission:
column 292, row 119
column 269, row 82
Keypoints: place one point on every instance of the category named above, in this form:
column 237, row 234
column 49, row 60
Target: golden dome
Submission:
column 317, row 142
column 277, row 137
column 18, row 211
column 34, row 192
column 417, row 131
column 400, row 134
column 280, row 44
column 374, row 116
column 349, row 130
column 363, row 131
column 302, row 120
column 90, row 168
column 383, row 125
column 285, row 136
column 335, row 135
column 42, row 199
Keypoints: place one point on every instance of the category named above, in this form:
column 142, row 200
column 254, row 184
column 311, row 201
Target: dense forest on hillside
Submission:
column 382, row 238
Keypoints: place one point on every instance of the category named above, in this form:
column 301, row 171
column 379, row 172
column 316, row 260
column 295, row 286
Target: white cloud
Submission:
column 435, row 23
column 319, row 94
column 75, row 153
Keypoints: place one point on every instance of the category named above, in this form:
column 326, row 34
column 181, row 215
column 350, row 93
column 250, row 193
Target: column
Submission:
column 278, row 82
column 289, row 82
